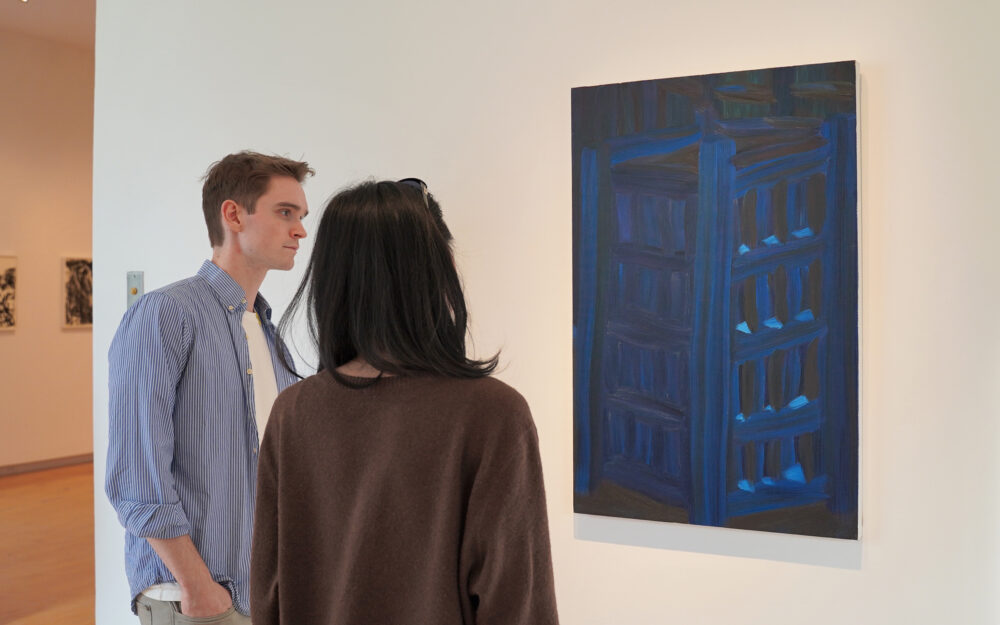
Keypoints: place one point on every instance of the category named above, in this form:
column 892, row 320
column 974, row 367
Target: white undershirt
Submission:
column 265, row 390
column 167, row 591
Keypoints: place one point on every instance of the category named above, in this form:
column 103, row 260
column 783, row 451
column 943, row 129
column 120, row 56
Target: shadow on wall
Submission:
column 828, row 552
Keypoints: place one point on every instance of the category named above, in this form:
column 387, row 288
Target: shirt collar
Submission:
column 231, row 295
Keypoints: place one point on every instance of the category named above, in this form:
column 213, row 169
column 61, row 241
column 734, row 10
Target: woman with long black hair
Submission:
column 401, row 484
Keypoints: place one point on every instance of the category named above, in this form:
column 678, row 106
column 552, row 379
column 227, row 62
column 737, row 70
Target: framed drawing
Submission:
column 715, row 288
column 8, row 293
column 78, row 298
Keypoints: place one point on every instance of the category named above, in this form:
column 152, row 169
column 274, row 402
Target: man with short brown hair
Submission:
column 194, row 369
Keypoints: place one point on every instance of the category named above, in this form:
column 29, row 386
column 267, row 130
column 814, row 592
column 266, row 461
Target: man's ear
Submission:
column 232, row 216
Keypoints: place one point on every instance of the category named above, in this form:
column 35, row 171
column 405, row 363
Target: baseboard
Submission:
column 41, row 465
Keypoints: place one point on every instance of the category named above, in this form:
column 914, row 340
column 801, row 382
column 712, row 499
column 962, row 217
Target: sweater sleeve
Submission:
column 264, row 606
column 506, row 563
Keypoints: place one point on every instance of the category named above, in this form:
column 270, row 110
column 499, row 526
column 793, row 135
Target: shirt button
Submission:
column 230, row 308
column 249, row 371
column 244, row 301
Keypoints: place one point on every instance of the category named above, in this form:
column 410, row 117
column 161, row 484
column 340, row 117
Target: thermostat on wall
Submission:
column 133, row 284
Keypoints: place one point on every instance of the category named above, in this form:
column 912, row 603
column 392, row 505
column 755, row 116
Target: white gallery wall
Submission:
column 475, row 99
column 46, row 121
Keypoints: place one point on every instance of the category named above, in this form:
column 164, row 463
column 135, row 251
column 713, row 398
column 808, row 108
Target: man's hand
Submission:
column 206, row 598
column 201, row 596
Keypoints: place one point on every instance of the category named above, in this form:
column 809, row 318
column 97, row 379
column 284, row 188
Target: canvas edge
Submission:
column 860, row 280
column 728, row 71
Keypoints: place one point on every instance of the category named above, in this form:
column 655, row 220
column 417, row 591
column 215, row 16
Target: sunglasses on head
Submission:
column 418, row 184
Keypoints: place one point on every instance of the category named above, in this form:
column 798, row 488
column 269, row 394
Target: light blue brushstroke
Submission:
column 745, row 485
column 805, row 315
column 743, row 249
column 772, row 240
column 803, row 233
column 653, row 147
column 743, row 327
column 587, row 295
column 624, row 210
column 773, row 323
column 798, row 402
column 794, row 473
column 709, row 334
column 813, row 86
column 740, row 417
column 767, row 481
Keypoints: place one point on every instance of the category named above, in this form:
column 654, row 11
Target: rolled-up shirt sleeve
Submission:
column 146, row 361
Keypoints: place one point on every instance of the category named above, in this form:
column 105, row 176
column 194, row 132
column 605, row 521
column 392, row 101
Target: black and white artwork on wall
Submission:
column 8, row 282
column 78, row 298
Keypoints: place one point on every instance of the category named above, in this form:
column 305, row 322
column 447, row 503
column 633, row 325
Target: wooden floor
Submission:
column 47, row 547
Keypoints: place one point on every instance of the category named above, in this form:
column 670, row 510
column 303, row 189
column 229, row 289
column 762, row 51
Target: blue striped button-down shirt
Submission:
column 182, row 454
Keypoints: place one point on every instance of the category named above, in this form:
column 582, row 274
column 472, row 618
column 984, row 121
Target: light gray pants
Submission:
column 153, row 612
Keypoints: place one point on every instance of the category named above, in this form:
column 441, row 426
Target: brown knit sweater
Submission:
column 416, row 501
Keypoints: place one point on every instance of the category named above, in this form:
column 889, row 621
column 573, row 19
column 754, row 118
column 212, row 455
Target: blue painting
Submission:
column 715, row 287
